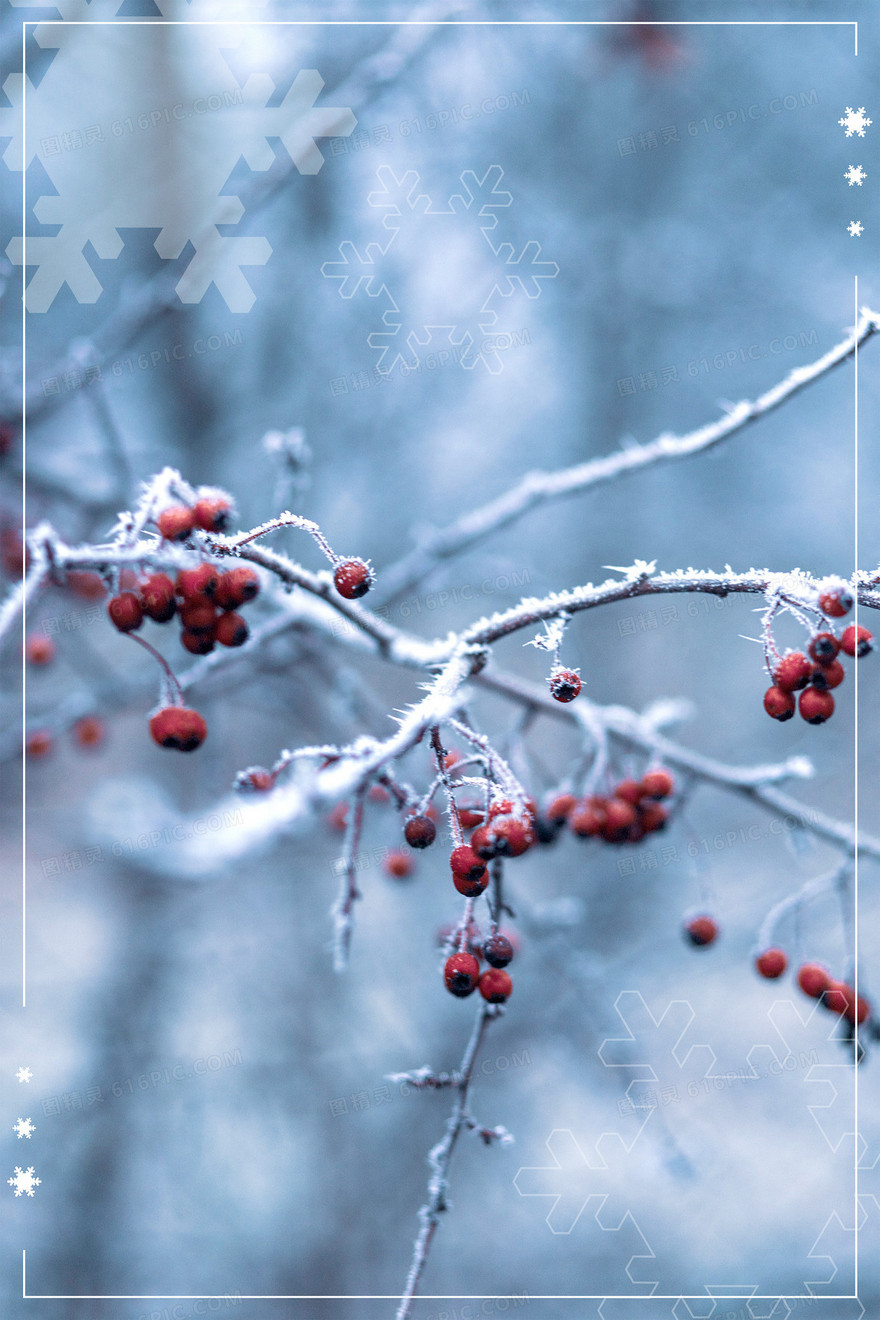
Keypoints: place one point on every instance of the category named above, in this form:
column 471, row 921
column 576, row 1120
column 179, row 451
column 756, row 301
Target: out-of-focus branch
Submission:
column 158, row 296
column 538, row 488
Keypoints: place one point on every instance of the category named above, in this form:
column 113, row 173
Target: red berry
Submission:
column 498, row 951
column 856, row 641
column 565, row 685
column 176, row 522
column 771, row 963
column 212, row 514
column 835, row 997
column 779, row 705
column 630, row 790
column 835, row 604
column 824, row 647
column 125, row 611
column 197, row 643
column 89, row 731
column 495, row 985
column 513, row 836
column 419, row 832
column 618, row 818
column 338, row 817
column 501, row 807
column 657, row 784
column 469, row 817
column 198, row 615
column 39, row 744
column 815, row 706
column 91, row 586
column 461, row 974
column 652, row 817
column 485, row 842
column 378, row 793
column 178, row 727
column 561, row 808
column 793, row 672
column 813, row 979
column 824, row 677
column 157, row 598
column 231, row 629
column 201, row 581
column 257, row 780
column 857, row 1010
column 39, row 649
column 588, row 819
column 352, row 579
column 701, row 931
column 399, row 865
column 236, row 587
column 469, row 873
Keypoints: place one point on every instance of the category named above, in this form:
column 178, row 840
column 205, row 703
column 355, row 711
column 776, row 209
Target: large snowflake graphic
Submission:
column 124, row 165
column 855, row 229
column 24, row 1074
column 23, row 1128
column 854, row 121
column 574, row 1180
column 855, row 174
column 23, row 1181
column 445, row 274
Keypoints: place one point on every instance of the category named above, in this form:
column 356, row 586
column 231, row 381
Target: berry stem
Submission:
column 439, row 1160
column 176, row 691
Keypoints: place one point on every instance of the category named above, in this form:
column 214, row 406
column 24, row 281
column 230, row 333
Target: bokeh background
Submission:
column 211, row 1105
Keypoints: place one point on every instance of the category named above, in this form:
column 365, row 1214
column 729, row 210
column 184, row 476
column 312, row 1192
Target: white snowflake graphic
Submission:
column 464, row 236
column 24, row 1128
column 854, row 121
column 124, row 170
column 855, row 228
column 24, row 1181
column 24, row 1074
column 855, row 174
column 573, row 1181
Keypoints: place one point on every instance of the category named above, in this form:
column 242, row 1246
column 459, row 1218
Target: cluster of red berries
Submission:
column 210, row 513
column 462, row 974
column 814, row 675
column 837, row 996
column 632, row 810
column 205, row 600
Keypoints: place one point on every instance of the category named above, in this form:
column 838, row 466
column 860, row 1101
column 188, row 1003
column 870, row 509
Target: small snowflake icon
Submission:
column 855, row 228
column 855, row 121
column 24, row 1128
column 24, row 1074
column 24, row 1181
column 855, row 174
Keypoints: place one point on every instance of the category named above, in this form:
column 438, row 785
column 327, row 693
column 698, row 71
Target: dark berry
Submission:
column 419, row 832
column 157, row 598
column 564, row 685
column 236, row 587
column 231, row 629
column 827, row 676
column 824, row 647
column 201, row 581
column 498, row 951
column 212, row 514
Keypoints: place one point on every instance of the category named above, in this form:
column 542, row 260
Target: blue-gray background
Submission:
column 694, row 266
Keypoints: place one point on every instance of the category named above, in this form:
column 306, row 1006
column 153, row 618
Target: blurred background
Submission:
column 537, row 242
